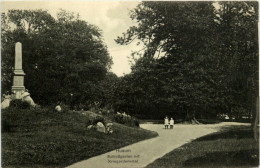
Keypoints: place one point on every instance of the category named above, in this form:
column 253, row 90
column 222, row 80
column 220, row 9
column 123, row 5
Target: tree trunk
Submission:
column 195, row 121
column 190, row 118
column 256, row 120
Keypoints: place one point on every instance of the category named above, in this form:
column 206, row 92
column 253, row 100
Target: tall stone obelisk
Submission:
column 18, row 79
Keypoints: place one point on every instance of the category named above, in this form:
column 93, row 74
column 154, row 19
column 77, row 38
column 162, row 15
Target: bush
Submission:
column 106, row 112
column 136, row 122
column 18, row 103
column 97, row 119
column 119, row 119
column 126, row 120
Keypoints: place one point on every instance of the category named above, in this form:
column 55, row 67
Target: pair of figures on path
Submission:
column 167, row 122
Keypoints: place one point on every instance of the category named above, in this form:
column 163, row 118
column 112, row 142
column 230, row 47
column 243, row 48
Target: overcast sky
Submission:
column 112, row 17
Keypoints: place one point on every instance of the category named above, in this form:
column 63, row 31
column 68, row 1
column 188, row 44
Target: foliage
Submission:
column 18, row 103
column 198, row 60
column 239, row 63
column 61, row 56
column 125, row 119
column 98, row 119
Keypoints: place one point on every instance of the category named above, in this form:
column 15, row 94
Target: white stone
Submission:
column 58, row 108
column 101, row 127
column 27, row 98
column 109, row 124
column 226, row 117
column 24, row 94
column 90, row 127
column 5, row 103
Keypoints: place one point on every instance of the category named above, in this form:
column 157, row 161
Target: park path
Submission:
column 140, row 154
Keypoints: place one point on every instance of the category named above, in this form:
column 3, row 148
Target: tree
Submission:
column 195, row 53
column 180, row 31
column 239, row 35
column 61, row 56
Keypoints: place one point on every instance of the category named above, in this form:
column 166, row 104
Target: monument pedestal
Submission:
column 18, row 84
column 18, row 90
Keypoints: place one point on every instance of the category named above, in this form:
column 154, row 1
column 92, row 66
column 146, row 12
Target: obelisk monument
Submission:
column 18, row 79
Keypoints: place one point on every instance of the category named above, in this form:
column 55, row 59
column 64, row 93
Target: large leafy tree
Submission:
column 180, row 31
column 238, row 27
column 238, row 52
column 195, row 73
column 61, row 56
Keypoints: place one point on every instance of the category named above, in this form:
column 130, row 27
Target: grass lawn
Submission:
column 44, row 138
column 231, row 147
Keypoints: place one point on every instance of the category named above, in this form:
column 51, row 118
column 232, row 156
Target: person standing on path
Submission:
column 171, row 123
column 166, row 122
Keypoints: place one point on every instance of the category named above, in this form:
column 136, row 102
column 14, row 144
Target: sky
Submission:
column 112, row 17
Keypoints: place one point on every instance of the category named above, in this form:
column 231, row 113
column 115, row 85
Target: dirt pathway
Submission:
column 142, row 153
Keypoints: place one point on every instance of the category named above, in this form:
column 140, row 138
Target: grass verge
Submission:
column 44, row 138
column 231, row 147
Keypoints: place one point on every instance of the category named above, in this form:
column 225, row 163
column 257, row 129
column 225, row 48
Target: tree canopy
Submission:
column 61, row 56
column 199, row 59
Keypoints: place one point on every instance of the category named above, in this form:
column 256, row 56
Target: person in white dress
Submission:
column 166, row 122
column 171, row 123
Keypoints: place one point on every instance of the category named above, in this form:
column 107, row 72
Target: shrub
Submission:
column 136, row 122
column 119, row 118
column 82, row 106
column 18, row 103
column 126, row 120
column 98, row 119
column 64, row 107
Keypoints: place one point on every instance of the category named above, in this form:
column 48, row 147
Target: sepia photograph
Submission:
column 129, row 84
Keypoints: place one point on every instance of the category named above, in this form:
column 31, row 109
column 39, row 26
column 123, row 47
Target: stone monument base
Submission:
column 17, row 91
